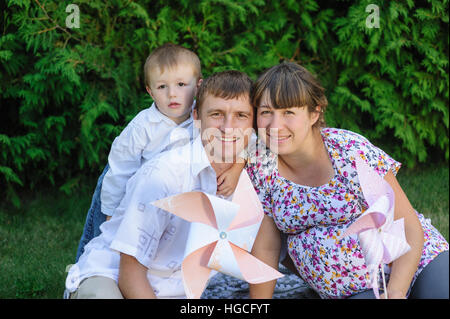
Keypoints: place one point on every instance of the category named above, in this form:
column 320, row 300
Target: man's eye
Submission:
column 242, row 115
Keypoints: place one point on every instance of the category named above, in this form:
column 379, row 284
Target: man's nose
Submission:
column 227, row 124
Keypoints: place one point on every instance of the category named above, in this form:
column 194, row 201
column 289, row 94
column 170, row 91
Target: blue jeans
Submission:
column 94, row 217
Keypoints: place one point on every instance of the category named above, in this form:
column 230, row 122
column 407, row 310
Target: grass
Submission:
column 39, row 240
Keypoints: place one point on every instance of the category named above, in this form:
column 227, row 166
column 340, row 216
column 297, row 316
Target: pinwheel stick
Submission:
column 384, row 282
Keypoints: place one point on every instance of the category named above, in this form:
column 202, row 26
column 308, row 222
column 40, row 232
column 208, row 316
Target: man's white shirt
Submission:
column 153, row 236
column 147, row 135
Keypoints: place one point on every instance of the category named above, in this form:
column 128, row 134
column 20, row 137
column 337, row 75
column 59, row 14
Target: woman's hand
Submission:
column 393, row 294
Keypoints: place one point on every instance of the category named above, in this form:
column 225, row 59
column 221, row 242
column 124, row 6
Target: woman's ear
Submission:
column 314, row 116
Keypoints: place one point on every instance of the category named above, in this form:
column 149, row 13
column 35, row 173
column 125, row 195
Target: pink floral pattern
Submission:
column 316, row 217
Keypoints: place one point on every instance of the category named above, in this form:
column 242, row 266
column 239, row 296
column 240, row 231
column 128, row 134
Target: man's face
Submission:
column 173, row 91
column 226, row 127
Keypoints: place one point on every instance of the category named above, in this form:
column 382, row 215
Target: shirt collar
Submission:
column 199, row 159
column 156, row 116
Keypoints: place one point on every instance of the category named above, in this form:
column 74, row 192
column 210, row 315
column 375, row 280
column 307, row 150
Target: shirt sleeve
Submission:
column 375, row 157
column 260, row 168
column 124, row 160
column 143, row 224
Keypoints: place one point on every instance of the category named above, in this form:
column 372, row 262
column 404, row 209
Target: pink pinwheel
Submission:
column 221, row 235
column 382, row 239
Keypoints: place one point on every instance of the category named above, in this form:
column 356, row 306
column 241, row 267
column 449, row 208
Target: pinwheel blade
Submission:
column 224, row 211
column 374, row 217
column 250, row 211
column 223, row 260
column 195, row 271
column 244, row 237
column 191, row 206
column 372, row 246
column 394, row 241
column 254, row 270
column 372, row 184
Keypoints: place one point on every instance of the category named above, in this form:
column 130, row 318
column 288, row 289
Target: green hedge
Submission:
column 67, row 92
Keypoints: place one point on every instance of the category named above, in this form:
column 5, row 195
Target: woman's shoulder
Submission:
column 344, row 138
column 350, row 144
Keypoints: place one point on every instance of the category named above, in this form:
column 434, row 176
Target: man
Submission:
column 151, row 241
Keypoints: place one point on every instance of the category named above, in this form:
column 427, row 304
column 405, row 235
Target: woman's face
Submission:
column 284, row 130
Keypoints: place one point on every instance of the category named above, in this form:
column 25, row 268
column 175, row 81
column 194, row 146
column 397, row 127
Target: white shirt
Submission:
column 147, row 135
column 154, row 237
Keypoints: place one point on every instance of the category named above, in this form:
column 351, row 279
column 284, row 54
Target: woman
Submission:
column 309, row 187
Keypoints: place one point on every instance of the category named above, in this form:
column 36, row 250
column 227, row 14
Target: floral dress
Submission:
column 314, row 218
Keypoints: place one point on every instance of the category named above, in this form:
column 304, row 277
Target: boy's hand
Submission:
column 228, row 180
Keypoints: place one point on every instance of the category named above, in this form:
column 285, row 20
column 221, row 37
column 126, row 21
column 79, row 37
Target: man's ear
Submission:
column 195, row 114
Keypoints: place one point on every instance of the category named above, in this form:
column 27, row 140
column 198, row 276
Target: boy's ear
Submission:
column 149, row 91
column 199, row 82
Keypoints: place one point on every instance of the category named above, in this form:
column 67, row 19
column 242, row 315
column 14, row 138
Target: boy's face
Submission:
column 226, row 126
column 174, row 90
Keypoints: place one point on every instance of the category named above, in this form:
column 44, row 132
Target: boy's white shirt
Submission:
column 154, row 237
column 148, row 134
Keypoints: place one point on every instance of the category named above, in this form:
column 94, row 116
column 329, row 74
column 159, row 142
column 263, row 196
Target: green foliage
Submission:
column 66, row 93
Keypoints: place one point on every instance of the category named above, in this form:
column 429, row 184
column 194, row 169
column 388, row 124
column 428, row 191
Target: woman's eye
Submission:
column 264, row 112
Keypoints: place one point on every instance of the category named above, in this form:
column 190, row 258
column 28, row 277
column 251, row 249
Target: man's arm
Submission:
column 133, row 282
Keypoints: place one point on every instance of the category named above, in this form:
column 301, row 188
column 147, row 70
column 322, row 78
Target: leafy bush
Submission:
column 67, row 92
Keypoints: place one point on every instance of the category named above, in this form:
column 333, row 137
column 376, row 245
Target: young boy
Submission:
column 154, row 236
column 172, row 77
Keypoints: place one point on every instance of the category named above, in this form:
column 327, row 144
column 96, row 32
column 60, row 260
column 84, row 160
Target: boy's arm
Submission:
column 267, row 249
column 228, row 180
column 124, row 160
column 133, row 282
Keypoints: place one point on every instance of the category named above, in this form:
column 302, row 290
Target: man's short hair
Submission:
column 226, row 85
column 169, row 55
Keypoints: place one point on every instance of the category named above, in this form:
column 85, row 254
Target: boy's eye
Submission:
column 163, row 86
column 181, row 84
column 264, row 112
column 287, row 112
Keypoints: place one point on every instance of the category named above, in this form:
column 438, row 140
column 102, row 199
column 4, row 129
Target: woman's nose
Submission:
column 276, row 121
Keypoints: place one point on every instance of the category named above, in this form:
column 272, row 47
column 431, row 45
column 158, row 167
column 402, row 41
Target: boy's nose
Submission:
column 172, row 91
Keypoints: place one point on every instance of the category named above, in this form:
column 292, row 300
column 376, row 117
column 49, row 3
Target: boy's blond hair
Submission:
column 169, row 55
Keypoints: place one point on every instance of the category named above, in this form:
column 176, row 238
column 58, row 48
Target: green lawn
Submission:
column 39, row 240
